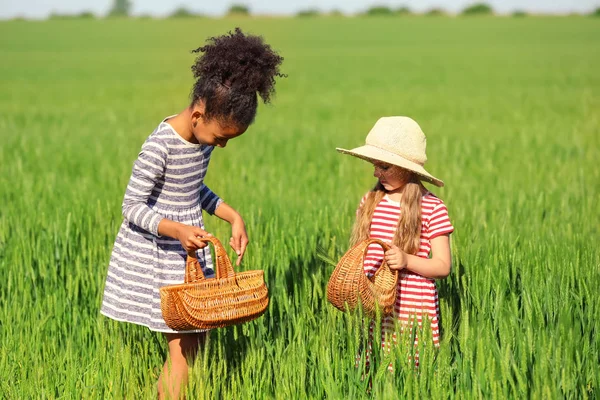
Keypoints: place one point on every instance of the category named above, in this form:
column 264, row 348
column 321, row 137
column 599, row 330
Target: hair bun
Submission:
column 241, row 62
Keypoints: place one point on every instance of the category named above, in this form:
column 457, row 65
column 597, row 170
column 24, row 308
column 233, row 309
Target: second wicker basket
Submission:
column 349, row 287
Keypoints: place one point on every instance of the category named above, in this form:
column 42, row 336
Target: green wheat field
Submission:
column 511, row 110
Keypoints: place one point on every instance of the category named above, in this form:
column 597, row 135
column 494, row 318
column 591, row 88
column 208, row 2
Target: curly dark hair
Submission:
column 232, row 70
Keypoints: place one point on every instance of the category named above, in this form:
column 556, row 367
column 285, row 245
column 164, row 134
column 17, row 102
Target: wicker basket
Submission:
column 349, row 286
column 202, row 303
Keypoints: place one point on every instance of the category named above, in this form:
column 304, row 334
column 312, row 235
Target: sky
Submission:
column 40, row 9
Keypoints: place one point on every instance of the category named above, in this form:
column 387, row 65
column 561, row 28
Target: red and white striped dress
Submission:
column 417, row 295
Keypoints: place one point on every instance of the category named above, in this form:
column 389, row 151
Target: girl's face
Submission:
column 391, row 176
column 212, row 133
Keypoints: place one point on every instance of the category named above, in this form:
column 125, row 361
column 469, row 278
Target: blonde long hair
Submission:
column 408, row 231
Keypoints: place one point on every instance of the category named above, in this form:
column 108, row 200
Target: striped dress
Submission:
column 417, row 296
column 166, row 182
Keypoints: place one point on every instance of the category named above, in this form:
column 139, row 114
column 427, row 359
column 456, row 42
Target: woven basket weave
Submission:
column 201, row 303
column 349, row 286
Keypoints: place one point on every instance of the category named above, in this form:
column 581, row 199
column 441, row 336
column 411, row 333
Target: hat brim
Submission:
column 372, row 153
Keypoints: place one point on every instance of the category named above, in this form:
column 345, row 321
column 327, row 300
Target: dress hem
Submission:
column 152, row 329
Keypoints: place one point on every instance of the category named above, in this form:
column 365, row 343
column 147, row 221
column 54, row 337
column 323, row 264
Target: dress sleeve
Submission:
column 209, row 201
column 362, row 202
column 148, row 169
column 439, row 223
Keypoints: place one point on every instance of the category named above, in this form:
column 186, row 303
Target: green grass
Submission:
column 511, row 112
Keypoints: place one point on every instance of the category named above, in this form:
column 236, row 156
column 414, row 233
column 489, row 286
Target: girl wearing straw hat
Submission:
column 402, row 212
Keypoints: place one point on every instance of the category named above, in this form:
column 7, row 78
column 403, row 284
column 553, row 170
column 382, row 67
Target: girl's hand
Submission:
column 396, row 258
column 189, row 236
column 239, row 238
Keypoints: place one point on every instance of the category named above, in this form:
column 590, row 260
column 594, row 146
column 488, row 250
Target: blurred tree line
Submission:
column 123, row 9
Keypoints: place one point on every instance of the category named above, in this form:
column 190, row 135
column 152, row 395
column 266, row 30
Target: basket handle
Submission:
column 370, row 241
column 224, row 269
column 383, row 245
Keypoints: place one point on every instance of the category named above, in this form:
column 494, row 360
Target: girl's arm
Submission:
column 188, row 235
column 147, row 170
column 239, row 237
column 209, row 201
column 436, row 267
column 440, row 263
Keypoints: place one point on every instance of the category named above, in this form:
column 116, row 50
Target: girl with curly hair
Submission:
column 165, row 196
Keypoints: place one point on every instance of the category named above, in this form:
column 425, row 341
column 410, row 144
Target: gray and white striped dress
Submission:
column 166, row 182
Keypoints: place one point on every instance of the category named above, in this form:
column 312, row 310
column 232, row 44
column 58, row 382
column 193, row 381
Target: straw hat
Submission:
column 397, row 141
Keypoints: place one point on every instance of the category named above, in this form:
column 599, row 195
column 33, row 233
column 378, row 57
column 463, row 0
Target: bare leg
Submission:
column 183, row 348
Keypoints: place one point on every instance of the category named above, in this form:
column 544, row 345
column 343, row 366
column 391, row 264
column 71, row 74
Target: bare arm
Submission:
column 227, row 213
column 188, row 235
column 239, row 237
column 440, row 263
column 436, row 267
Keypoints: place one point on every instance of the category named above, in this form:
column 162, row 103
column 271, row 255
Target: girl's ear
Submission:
column 198, row 112
column 196, row 116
